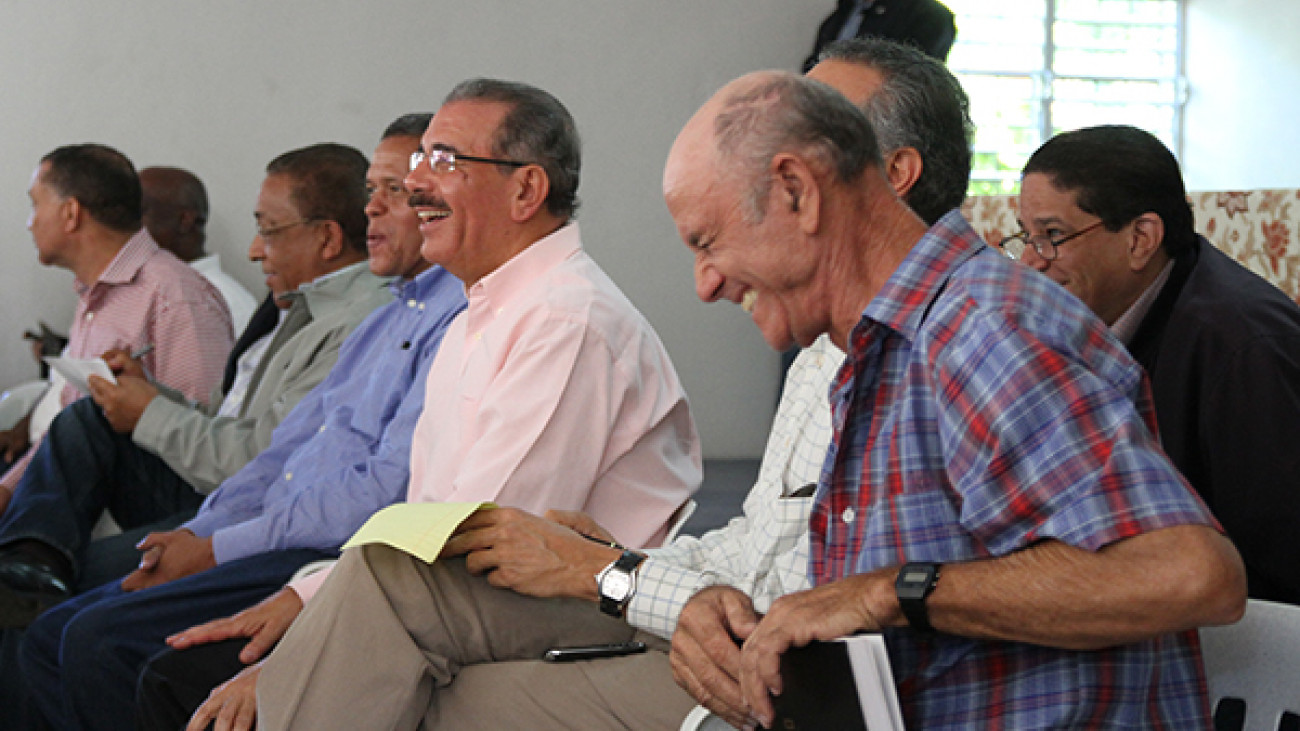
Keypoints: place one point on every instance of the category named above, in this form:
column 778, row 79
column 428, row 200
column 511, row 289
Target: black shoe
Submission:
column 29, row 567
column 19, row 611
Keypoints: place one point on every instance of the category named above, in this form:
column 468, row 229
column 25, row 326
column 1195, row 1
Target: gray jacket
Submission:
column 205, row 449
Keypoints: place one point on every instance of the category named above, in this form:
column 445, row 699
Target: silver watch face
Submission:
column 616, row 585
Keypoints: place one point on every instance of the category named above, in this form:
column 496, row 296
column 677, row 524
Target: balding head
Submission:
column 175, row 210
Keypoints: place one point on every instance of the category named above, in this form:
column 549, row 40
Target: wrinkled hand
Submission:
column 123, row 404
column 121, row 364
column 231, row 706
column 824, row 613
column 531, row 555
column 580, row 522
column 169, row 556
column 14, row 442
column 705, row 656
column 263, row 624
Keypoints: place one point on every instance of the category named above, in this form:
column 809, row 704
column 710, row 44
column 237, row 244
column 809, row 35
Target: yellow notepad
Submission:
column 420, row 529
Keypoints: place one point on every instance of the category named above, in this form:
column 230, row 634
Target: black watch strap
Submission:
column 626, row 563
column 914, row 583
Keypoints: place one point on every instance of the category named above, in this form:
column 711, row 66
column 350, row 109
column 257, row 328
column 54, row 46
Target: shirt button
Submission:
column 848, row 515
column 321, row 429
column 420, row 307
column 90, row 316
column 410, row 303
column 288, row 476
column 478, row 336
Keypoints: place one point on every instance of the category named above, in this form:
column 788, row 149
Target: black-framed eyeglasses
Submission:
column 273, row 231
column 1015, row 245
column 445, row 161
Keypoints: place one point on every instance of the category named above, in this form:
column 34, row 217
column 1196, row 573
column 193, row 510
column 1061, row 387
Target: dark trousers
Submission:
column 81, row 659
column 176, row 682
column 83, row 468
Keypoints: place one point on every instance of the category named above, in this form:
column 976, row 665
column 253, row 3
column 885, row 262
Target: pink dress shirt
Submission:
column 551, row 391
column 148, row 296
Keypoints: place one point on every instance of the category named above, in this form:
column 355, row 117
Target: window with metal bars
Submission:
column 1033, row 68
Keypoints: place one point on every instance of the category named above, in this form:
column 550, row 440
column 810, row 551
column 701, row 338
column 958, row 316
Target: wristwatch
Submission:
column 914, row 583
column 617, row 583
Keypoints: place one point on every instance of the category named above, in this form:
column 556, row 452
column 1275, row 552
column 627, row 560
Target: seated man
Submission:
column 550, row 389
column 170, row 452
column 131, row 295
column 343, row 449
column 176, row 214
column 786, row 208
column 763, row 553
column 1105, row 215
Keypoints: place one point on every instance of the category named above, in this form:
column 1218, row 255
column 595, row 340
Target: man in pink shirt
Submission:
column 86, row 217
column 550, row 391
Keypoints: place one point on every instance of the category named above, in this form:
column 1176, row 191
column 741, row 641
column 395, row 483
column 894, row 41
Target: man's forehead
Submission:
column 460, row 124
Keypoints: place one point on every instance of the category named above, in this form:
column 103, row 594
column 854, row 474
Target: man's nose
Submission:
column 708, row 282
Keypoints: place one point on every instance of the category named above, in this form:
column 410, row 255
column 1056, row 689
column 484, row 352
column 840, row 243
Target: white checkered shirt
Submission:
column 763, row 552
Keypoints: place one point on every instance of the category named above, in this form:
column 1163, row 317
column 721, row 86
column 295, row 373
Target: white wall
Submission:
column 222, row 87
column 1243, row 68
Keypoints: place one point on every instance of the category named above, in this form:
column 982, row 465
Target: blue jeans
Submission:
column 80, row 660
column 82, row 468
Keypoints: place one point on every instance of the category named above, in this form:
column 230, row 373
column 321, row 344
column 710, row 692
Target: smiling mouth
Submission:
column 747, row 301
column 427, row 215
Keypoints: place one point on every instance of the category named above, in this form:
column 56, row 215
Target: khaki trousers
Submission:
column 390, row 642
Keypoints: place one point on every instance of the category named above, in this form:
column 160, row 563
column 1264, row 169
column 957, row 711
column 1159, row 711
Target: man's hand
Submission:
column 123, row 404
column 121, row 364
column 531, row 555
column 14, row 442
column 169, row 556
column 263, row 623
column 706, row 650
column 231, row 706
column 824, row 613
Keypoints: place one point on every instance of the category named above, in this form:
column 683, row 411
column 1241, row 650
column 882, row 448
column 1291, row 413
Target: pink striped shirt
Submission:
column 148, row 296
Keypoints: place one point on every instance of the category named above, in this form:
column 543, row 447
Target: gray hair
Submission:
column 538, row 130
column 790, row 113
column 920, row 105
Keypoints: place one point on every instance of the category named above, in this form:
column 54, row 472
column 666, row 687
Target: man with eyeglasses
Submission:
column 144, row 452
column 342, row 453
column 1105, row 215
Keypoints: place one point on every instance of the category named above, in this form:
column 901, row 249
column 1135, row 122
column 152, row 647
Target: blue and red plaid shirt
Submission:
column 981, row 409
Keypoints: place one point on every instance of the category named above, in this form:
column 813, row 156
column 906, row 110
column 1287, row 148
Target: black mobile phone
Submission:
column 591, row 652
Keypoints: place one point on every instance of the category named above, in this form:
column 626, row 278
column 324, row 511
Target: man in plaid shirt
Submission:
column 986, row 440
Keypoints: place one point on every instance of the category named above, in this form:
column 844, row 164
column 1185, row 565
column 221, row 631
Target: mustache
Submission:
column 428, row 201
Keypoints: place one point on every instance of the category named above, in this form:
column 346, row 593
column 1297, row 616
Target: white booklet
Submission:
column 842, row 684
column 77, row 371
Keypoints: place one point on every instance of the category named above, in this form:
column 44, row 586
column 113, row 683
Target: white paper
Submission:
column 77, row 371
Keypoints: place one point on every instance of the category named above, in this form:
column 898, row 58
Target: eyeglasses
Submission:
column 1015, row 245
column 445, row 161
column 267, row 233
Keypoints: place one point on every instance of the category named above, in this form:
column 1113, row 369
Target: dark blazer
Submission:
column 926, row 24
column 1222, row 348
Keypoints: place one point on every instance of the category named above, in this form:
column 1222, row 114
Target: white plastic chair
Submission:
column 683, row 514
column 1252, row 669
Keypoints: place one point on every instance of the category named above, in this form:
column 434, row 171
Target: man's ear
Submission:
column 1145, row 238
column 330, row 240
column 187, row 221
column 795, row 187
column 531, row 188
column 71, row 211
column 903, row 167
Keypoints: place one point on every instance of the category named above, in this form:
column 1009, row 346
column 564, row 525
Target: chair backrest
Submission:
column 1252, row 669
column 680, row 516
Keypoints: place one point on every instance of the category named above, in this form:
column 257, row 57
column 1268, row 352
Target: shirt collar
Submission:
column 124, row 267
column 513, row 277
column 1127, row 325
column 423, row 285
column 902, row 303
